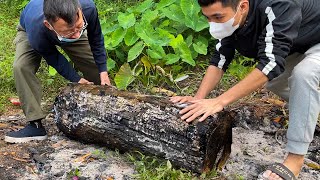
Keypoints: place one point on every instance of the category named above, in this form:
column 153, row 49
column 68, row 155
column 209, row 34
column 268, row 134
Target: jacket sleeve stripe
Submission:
column 268, row 40
column 222, row 60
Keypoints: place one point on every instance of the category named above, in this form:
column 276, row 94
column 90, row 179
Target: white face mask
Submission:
column 222, row 30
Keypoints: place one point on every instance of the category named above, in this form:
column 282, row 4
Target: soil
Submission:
column 254, row 148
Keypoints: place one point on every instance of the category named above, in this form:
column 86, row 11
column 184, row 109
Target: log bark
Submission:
column 149, row 124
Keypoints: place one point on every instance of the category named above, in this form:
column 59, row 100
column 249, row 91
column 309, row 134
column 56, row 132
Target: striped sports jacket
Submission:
column 273, row 30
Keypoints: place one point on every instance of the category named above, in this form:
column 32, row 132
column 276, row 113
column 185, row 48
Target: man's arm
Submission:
column 274, row 46
column 219, row 63
column 208, row 107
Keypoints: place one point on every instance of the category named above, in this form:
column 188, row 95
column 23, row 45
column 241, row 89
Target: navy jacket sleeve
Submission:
column 282, row 20
column 96, row 38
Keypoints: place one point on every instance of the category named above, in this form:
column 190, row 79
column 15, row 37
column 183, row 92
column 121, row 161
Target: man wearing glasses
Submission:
column 44, row 24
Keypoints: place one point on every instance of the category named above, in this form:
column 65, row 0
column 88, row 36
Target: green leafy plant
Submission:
column 155, row 169
column 153, row 42
column 240, row 67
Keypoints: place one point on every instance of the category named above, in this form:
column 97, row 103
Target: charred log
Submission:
column 149, row 124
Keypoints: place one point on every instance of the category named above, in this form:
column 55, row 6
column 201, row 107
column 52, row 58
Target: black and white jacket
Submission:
column 273, row 30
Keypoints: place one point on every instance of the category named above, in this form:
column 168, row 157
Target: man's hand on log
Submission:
column 204, row 107
column 84, row 81
column 104, row 78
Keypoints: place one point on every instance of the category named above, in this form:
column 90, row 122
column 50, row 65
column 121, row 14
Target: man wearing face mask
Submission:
column 44, row 24
column 284, row 37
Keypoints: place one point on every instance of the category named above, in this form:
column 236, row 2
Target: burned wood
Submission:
column 149, row 124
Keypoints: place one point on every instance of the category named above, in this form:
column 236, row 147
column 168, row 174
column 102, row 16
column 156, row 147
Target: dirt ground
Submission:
column 253, row 149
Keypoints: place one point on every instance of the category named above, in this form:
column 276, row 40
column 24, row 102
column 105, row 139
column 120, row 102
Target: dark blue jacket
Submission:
column 44, row 41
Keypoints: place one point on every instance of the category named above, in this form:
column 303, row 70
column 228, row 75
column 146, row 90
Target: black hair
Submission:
column 64, row 9
column 225, row 3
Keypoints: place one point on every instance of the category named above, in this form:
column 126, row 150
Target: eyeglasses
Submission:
column 85, row 24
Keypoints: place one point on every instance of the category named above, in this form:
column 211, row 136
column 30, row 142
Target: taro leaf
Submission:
column 52, row 71
column 189, row 40
column 144, row 6
column 175, row 43
column 201, row 45
column 135, row 51
column 186, row 55
column 181, row 77
column 110, row 64
column 117, row 36
column 106, row 29
column 190, row 8
column 131, row 37
column 165, row 3
column 196, row 23
column 120, row 55
column 165, row 34
column 154, row 54
column 151, row 37
column 149, row 16
column 171, row 58
column 146, row 64
column 202, row 24
column 159, row 49
column 165, row 23
column 107, row 42
column 126, row 20
column 181, row 47
column 174, row 12
column 124, row 77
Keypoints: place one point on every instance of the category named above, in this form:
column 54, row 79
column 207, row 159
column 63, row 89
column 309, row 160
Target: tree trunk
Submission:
column 149, row 124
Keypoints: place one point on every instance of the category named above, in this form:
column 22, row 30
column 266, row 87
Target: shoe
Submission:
column 31, row 132
column 281, row 170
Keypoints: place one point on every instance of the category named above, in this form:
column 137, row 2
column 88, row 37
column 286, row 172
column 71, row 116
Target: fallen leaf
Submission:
column 3, row 126
column 83, row 158
column 61, row 143
column 164, row 91
column 276, row 102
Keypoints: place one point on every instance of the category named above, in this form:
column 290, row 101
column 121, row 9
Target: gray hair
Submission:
column 64, row 9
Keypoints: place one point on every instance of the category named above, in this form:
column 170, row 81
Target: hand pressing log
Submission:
column 149, row 124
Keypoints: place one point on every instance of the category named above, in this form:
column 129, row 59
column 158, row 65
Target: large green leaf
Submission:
column 154, row 54
column 173, row 12
column 159, row 49
column 196, row 23
column 107, row 29
column 189, row 40
column 165, row 34
column 124, row 77
column 149, row 16
column 171, row 58
column 111, row 64
column 181, row 47
column 190, row 7
column 175, row 43
column 126, row 20
column 135, row 51
column 144, row 6
column 151, row 37
column 186, row 55
column 201, row 45
column 202, row 23
column 165, row 3
column 117, row 36
column 131, row 37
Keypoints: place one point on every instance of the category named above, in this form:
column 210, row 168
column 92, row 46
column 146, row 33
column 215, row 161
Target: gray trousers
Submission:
column 27, row 63
column 299, row 85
